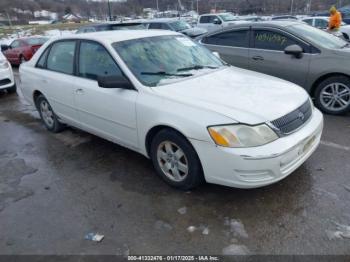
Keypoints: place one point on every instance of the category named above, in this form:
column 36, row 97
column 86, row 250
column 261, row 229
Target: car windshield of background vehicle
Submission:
column 180, row 26
column 321, row 38
column 228, row 17
column 37, row 41
column 129, row 27
column 154, row 59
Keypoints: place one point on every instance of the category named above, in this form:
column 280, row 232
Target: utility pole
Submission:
column 157, row 6
column 197, row 7
column 109, row 11
column 291, row 7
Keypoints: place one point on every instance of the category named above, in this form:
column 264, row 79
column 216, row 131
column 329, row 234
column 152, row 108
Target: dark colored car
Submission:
column 110, row 27
column 22, row 49
column 176, row 25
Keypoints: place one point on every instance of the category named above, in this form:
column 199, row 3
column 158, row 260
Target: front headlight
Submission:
column 242, row 135
column 4, row 64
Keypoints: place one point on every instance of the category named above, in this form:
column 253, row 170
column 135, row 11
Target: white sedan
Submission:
column 162, row 95
column 7, row 81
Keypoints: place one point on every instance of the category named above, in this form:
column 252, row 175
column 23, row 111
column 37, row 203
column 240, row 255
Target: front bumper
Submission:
column 6, row 78
column 260, row 166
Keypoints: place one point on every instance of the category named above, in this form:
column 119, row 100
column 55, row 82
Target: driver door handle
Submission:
column 258, row 58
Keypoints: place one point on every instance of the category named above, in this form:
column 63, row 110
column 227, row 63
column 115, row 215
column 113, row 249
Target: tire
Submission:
column 12, row 89
column 166, row 156
column 47, row 115
column 334, row 91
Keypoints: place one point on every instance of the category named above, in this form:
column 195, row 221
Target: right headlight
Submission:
column 242, row 135
column 4, row 64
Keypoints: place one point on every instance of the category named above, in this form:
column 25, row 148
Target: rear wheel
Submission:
column 48, row 116
column 332, row 95
column 175, row 160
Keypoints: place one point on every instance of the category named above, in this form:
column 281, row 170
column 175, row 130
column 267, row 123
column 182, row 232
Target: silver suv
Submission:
column 294, row 51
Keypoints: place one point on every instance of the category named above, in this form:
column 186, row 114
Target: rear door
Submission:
column 56, row 78
column 267, row 55
column 232, row 45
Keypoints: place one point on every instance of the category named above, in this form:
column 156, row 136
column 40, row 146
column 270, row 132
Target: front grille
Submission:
column 294, row 120
column 5, row 81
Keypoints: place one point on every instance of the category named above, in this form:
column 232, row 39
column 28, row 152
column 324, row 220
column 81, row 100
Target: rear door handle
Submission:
column 258, row 58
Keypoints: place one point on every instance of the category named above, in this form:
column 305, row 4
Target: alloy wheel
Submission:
column 47, row 113
column 335, row 96
column 172, row 161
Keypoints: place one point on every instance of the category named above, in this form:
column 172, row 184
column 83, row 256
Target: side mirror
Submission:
column 4, row 48
column 217, row 21
column 217, row 54
column 294, row 50
column 114, row 82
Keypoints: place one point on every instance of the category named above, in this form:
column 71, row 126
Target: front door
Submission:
column 109, row 112
column 267, row 56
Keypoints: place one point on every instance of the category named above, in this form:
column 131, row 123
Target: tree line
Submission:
column 90, row 8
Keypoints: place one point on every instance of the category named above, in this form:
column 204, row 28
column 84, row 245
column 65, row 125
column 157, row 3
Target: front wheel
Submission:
column 332, row 95
column 175, row 160
column 48, row 116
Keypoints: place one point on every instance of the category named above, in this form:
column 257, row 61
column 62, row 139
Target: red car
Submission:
column 21, row 50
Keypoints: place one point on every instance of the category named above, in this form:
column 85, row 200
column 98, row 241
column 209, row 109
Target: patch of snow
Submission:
column 235, row 250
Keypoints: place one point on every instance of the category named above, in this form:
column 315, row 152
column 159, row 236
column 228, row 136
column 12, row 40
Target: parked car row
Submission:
column 169, row 98
column 171, row 24
column 21, row 50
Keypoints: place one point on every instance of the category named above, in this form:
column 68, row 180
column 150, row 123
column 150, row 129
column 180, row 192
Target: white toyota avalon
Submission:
column 7, row 81
column 164, row 96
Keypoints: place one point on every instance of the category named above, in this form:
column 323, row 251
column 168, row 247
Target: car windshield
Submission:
column 180, row 26
column 159, row 60
column 319, row 37
column 228, row 17
column 36, row 41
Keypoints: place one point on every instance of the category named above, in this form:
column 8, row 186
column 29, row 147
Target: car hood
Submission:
column 242, row 95
column 194, row 31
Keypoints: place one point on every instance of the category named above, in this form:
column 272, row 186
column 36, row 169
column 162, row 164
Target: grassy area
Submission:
column 8, row 31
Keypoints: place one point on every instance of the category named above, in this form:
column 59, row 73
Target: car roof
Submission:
column 118, row 36
column 164, row 20
column 224, row 13
column 272, row 23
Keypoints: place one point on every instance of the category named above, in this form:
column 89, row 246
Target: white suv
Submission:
column 213, row 22
column 7, row 81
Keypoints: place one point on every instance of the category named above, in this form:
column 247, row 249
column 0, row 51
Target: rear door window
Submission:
column 271, row 40
column 205, row 19
column 61, row 57
column 237, row 38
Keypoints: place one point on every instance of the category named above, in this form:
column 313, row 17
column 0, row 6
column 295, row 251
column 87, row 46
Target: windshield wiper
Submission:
column 196, row 67
column 163, row 73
